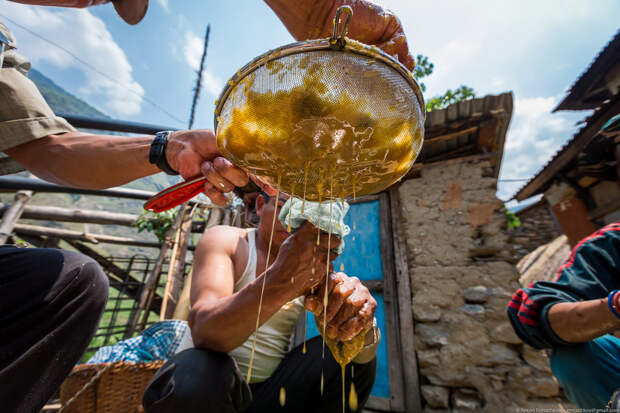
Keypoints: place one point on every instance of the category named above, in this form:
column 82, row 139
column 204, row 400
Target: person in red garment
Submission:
column 51, row 300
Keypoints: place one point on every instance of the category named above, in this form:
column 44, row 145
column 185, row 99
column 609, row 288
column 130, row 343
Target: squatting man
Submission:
column 230, row 265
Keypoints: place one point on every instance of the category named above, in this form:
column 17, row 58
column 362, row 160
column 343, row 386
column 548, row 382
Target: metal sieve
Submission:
column 325, row 118
column 330, row 118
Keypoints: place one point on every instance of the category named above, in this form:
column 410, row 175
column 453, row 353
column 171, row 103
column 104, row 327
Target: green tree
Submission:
column 513, row 220
column 424, row 67
column 450, row 97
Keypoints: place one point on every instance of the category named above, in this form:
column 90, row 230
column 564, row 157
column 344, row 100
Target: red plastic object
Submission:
column 175, row 195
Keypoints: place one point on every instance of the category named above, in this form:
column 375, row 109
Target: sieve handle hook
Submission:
column 338, row 39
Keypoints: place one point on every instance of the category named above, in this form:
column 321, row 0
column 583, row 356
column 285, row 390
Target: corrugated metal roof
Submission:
column 532, row 187
column 607, row 58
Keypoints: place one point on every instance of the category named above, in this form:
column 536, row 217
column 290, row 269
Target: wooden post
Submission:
column 181, row 312
column 52, row 213
column 178, row 271
column 169, row 276
column 12, row 214
column 413, row 401
column 199, row 79
column 227, row 218
column 215, row 217
column 150, row 286
column 35, row 230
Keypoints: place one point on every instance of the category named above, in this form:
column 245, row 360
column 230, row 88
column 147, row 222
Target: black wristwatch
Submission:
column 157, row 154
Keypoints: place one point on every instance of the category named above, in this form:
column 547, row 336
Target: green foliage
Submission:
column 423, row 68
column 513, row 220
column 21, row 243
column 156, row 223
column 450, row 97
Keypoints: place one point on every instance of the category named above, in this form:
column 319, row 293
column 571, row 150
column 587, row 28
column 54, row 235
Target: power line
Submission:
column 93, row 68
column 514, row 180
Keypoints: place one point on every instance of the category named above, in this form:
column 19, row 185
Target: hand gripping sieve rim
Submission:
column 337, row 42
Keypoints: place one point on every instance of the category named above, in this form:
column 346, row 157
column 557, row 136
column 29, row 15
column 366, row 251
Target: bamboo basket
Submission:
column 119, row 388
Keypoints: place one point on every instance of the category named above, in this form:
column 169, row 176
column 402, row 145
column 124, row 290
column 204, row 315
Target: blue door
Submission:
column 362, row 258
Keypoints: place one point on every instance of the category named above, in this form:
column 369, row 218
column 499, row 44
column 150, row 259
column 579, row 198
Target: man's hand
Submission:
column 371, row 24
column 350, row 306
column 195, row 152
column 301, row 263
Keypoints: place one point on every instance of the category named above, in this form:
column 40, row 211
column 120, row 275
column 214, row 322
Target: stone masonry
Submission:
column 462, row 278
column 537, row 228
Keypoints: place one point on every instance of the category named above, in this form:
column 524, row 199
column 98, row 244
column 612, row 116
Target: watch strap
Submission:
column 157, row 153
column 376, row 335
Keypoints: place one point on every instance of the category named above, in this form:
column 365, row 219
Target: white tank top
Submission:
column 274, row 336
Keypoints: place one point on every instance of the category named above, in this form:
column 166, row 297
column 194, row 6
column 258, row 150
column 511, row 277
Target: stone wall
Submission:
column 537, row 228
column 462, row 278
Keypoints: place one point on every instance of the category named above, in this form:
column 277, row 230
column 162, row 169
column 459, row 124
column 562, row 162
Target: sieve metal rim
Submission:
column 342, row 44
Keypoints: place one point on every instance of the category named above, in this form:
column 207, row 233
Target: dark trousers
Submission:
column 199, row 380
column 50, row 304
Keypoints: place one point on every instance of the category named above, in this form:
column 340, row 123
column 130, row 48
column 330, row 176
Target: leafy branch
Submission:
column 156, row 223
column 450, row 97
column 513, row 220
column 423, row 68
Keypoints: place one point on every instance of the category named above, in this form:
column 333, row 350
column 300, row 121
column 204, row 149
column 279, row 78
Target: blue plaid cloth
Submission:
column 158, row 342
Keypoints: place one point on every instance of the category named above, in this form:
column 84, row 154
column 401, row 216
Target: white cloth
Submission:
column 274, row 336
column 327, row 216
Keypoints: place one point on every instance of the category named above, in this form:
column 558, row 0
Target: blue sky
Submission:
column 535, row 49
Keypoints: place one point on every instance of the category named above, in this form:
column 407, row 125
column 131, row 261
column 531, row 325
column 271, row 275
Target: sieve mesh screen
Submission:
column 323, row 119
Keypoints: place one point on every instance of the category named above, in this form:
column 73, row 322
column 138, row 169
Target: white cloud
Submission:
column 192, row 51
column 474, row 42
column 213, row 84
column 86, row 37
column 534, row 136
column 164, row 5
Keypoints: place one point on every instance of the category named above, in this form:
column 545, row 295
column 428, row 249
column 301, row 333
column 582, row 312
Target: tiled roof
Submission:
column 454, row 131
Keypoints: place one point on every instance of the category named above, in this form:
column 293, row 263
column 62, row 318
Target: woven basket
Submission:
column 118, row 390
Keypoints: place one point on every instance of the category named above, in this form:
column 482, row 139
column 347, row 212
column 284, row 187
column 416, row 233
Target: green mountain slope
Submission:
column 60, row 100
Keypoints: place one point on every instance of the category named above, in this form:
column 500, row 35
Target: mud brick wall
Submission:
column 462, row 276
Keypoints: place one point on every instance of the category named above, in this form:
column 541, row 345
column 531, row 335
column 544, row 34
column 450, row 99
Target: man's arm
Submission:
column 222, row 320
column 85, row 160
column 219, row 319
column 371, row 24
column 48, row 146
column 573, row 308
column 101, row 161
column 582, row 321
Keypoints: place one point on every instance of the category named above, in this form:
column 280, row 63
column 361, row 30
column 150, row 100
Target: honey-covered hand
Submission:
column 350, row 307
column 301, row 262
